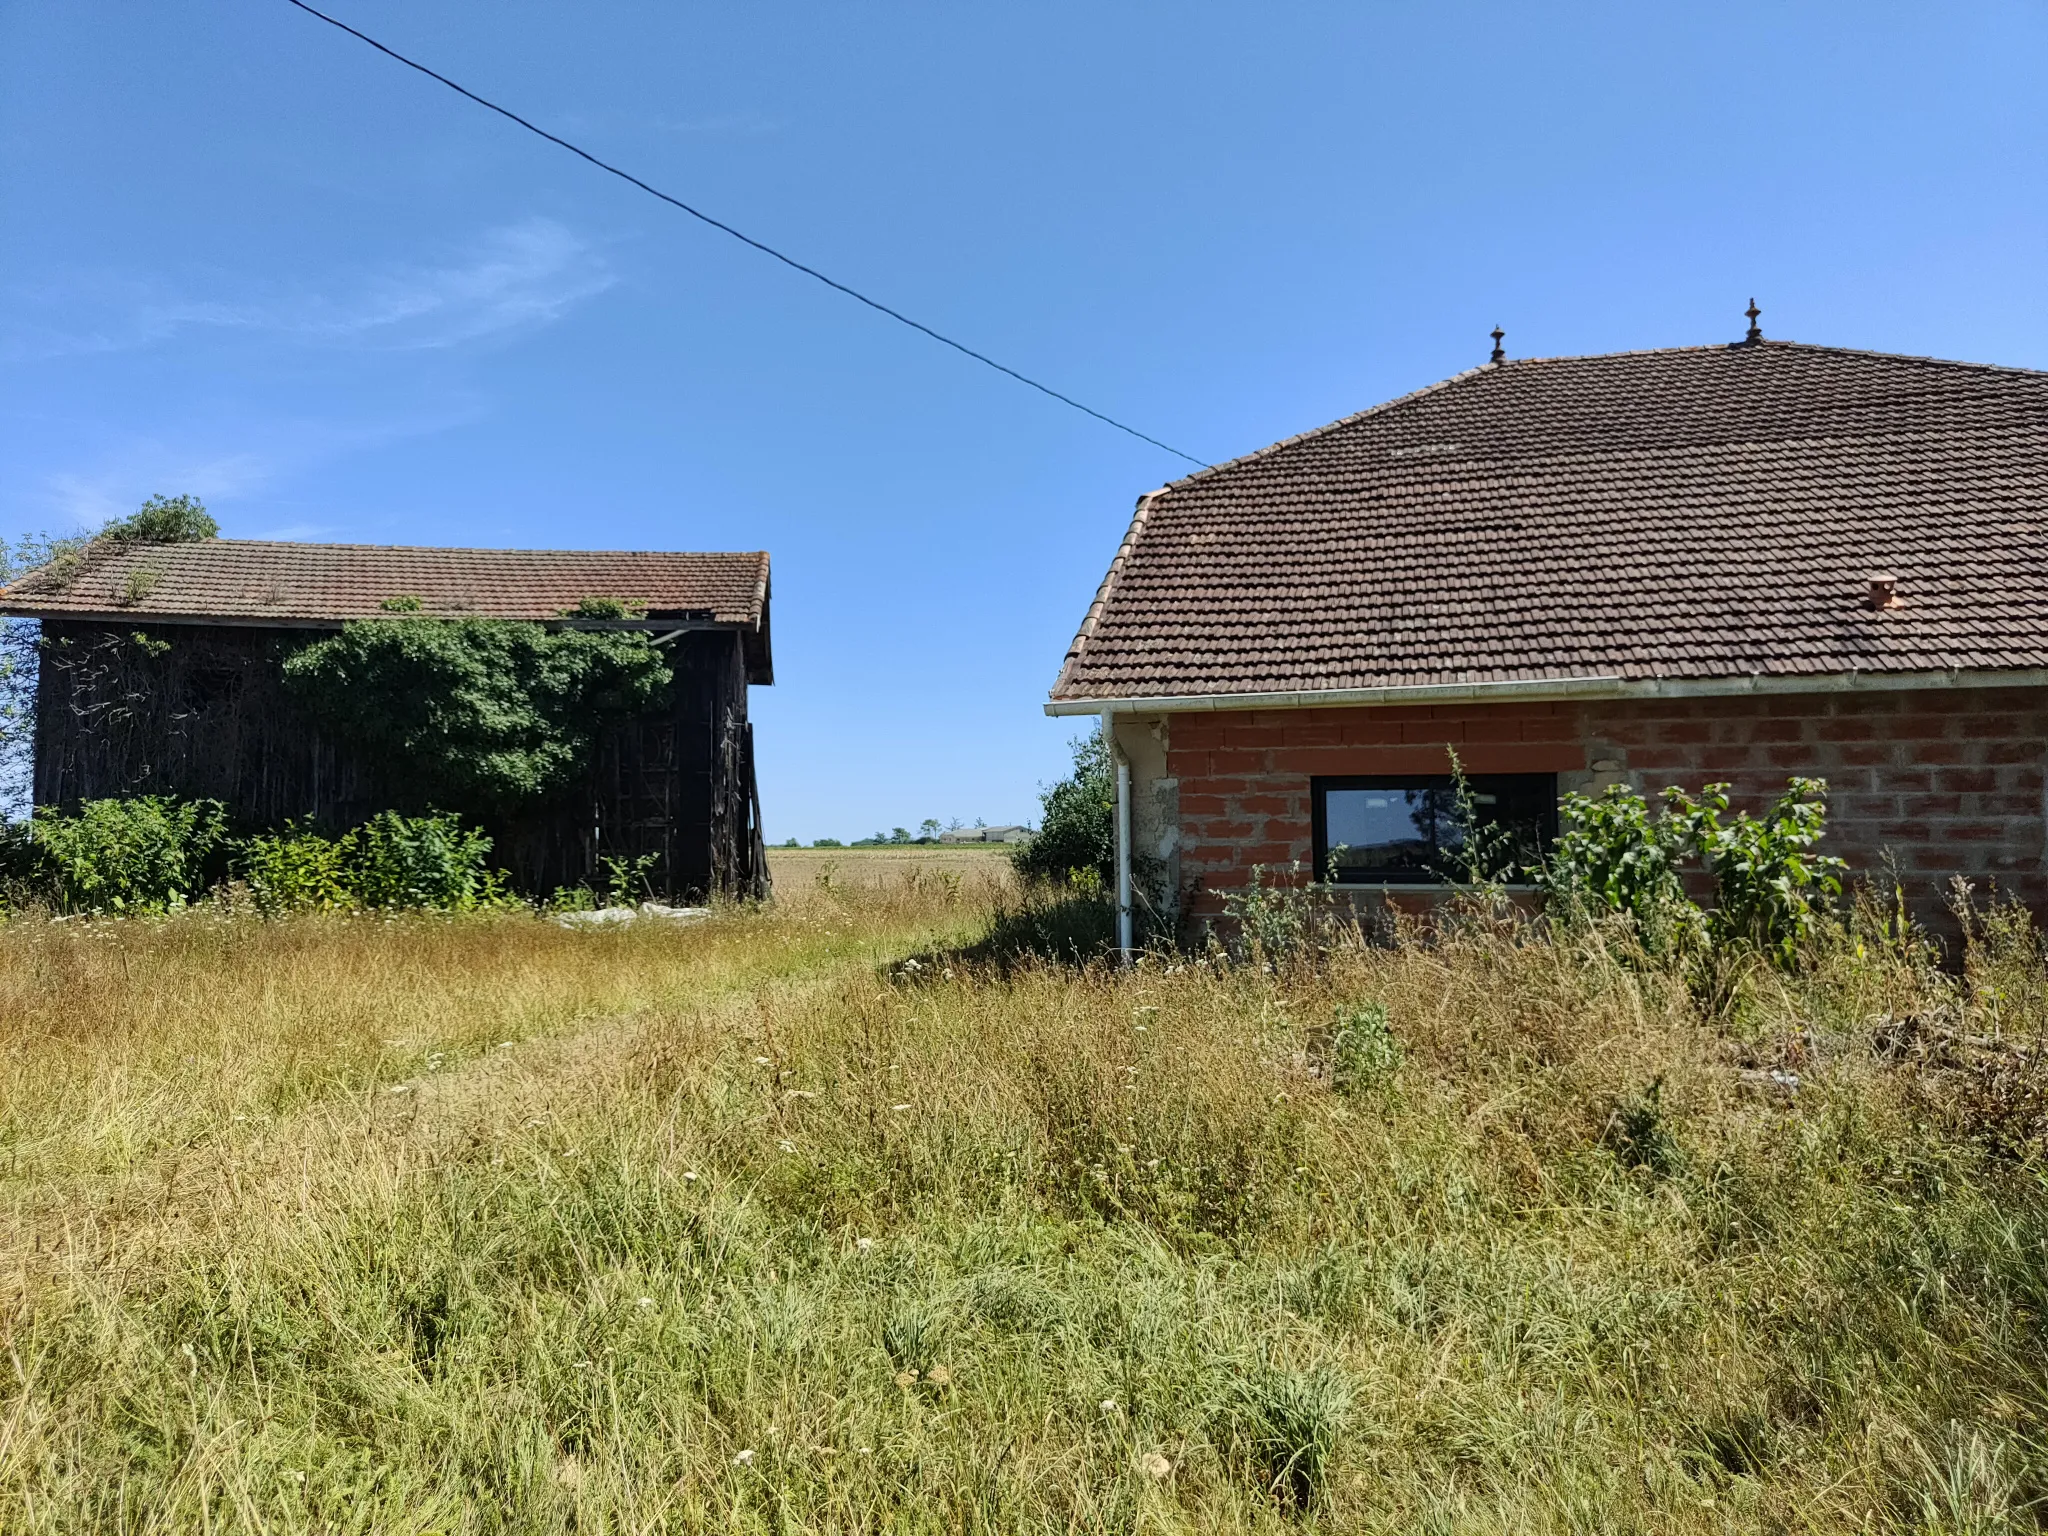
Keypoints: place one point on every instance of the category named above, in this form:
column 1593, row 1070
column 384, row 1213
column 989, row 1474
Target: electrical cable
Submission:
column 744, row 239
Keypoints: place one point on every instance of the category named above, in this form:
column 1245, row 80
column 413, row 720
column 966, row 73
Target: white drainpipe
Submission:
column 1123, row 842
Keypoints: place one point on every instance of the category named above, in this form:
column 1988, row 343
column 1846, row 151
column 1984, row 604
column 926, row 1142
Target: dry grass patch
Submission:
column 762, row 1227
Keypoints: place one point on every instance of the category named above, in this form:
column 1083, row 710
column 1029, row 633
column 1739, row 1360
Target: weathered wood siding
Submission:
column 202, row 711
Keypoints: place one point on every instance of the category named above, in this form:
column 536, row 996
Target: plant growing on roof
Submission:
column 164, row 520
column 480, row 716
column 606, row 608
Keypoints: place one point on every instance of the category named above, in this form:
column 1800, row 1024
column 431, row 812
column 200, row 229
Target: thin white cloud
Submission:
column 86, row 500
column 267, row 453
column 512, row 278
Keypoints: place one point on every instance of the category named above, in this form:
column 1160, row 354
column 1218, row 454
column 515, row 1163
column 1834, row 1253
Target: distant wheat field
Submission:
column 849, row 1214
column 884, row 866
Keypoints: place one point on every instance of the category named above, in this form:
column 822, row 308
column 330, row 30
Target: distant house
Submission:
column 207, row 714
column 1709, row 563
column 987, row 835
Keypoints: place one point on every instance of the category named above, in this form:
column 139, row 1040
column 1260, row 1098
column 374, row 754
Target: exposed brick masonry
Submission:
column 1948, row 782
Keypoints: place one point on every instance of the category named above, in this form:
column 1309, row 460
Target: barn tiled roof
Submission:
column 1702, row 512
column 262, row 579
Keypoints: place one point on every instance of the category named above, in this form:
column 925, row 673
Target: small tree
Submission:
column 1770, row 888
column 1077, row 828
column 1613, row 858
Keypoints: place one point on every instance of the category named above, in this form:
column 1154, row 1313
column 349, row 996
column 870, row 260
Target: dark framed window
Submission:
column 1410, row 829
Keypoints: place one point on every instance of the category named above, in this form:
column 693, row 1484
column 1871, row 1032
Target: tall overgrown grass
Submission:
column 847, row 1216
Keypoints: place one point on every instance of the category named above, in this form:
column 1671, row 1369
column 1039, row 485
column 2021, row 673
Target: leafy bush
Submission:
column 1077, row 827
column 164, row 520
column 419, row 861
column 295, row 870
column 605, row 608
column 486, row 716
column 1282, row 923
column 1364, row 1052
column 388, row 861
column 1770, row 889
column 144, row 854
column 1611, row 857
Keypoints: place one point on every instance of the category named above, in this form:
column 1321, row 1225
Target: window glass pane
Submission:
column 1415, row 828
column 1383, row 829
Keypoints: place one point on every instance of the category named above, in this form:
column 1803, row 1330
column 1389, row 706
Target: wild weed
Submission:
column 349, row 1221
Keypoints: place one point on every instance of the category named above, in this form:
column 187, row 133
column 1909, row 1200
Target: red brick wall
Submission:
column 1947, row 781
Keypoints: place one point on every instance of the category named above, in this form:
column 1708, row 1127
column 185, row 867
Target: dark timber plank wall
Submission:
column 202, row 712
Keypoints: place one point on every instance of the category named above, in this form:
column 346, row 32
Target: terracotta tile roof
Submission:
column 264, row 581
column 1705, row 512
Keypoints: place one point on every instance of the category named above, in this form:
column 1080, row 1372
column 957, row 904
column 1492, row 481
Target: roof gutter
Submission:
column 1529, row 690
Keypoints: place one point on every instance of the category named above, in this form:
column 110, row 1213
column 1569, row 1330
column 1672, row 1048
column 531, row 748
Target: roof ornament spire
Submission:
column 1755, row 332
column 1498, row 355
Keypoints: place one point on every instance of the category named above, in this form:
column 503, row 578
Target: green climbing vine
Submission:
column 483, row 717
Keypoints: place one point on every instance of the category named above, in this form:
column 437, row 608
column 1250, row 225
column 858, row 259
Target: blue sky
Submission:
column 245, row 257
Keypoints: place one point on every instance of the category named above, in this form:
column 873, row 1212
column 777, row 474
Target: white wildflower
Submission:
column 743, row 1459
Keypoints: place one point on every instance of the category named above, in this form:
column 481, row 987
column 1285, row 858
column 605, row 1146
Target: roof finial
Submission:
column 1755, row 333
column 1498, row 355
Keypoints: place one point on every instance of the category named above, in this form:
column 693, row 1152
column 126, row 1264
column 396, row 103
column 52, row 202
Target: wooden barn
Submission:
column 161, row 673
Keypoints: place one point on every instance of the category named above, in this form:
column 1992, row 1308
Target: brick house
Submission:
column 1730, row 563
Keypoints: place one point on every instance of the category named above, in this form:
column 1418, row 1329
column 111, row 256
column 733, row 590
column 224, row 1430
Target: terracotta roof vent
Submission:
column 1884, row 592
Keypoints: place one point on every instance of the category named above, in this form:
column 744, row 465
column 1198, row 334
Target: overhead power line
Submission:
column 744, row 239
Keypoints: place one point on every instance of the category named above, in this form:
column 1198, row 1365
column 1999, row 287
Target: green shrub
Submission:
column 1281, row 923
column 1771, row 889
column 144, row 854
column 419, row 861
column 296, row 870
column 1364, row 1052
column 1612, row 858
column 1077, row 827
column 388, row 861
column 164, row 520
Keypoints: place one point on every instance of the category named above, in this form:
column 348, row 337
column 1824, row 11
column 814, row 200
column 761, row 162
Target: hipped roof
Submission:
column 1697, row 513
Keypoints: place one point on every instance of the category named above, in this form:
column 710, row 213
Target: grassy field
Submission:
column 885, row 866
column 834, row 1217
